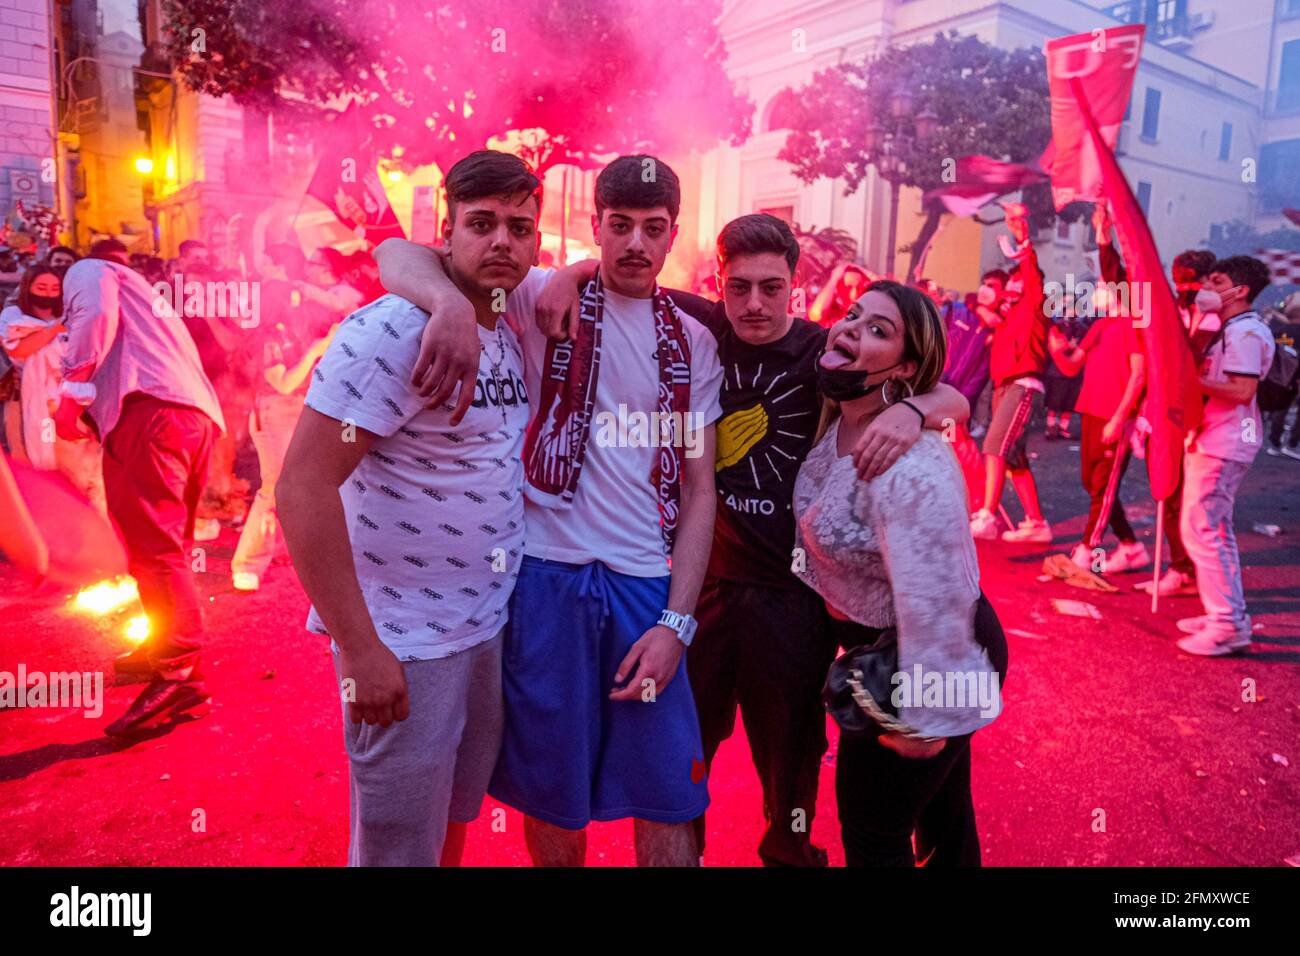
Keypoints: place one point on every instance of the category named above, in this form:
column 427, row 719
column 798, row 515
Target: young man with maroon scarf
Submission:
column 600, row 722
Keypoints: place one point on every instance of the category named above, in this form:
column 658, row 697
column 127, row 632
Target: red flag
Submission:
column 980, row 179
column 1104, row 62
column 1173, row 405
column 347, row 181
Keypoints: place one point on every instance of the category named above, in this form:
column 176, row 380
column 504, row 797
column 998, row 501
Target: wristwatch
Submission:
column 683, row 624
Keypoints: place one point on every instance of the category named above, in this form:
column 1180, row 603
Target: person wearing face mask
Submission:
column 1017, row 364
column 61, row 257
column 33, row 336
column 1220, row 452
column 894, row 561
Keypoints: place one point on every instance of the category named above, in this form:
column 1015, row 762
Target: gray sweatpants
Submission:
column 408, row 779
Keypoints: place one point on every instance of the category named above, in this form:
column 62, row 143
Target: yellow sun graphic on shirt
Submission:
column 738, row 433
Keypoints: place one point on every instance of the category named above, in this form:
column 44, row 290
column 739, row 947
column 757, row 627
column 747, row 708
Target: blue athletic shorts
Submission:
column 570, row 755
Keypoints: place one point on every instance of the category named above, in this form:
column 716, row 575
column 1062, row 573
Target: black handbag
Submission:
column 857, row 688
column 859, row 684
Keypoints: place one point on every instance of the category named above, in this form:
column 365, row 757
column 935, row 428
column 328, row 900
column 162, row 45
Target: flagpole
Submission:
column 1160, row 537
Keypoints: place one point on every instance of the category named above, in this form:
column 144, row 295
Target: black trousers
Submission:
column 766, row 651
column 884, row 798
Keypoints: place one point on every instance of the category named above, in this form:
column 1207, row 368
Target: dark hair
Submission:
column 490, row 172
column 1000, row 274
column 1195, row 264
column 24, row 300
column 107, row 249
column 623, row 184
column 69, row 251
column 189, row 244
column 1244, row 270
column 756, row 233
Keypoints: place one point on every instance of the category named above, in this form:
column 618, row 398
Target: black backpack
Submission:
column 1278, row 388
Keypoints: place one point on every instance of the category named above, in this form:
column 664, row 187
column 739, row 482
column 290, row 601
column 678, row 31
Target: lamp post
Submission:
column 888, row 142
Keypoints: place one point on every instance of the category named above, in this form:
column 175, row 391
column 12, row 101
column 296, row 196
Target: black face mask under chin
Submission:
column 844, row 385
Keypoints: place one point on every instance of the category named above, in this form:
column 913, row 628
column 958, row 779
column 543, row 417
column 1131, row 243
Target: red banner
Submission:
column 1104, row 63
column 1173, row 404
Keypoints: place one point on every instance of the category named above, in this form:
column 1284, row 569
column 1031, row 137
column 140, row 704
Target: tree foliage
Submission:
column 987, row 100
column 437, row 79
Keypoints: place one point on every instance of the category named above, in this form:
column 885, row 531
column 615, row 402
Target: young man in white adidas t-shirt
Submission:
column 407, row 532
column 1220, row 452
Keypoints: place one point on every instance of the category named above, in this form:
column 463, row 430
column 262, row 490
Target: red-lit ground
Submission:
column 1100, row 716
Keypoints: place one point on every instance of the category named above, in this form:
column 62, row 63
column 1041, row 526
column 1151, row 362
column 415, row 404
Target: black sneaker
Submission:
column 133, row 662
column 162, row 702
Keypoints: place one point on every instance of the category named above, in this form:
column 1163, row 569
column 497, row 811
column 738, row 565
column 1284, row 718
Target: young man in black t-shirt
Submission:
column 763, row 642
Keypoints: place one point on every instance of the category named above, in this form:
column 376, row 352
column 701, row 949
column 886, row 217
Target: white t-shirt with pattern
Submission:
column 435, row 514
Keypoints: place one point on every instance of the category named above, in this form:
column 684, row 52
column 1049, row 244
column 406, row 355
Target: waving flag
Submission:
column 979, row 180
column 1173, row 394
column 1103, row 63
column 347, row 182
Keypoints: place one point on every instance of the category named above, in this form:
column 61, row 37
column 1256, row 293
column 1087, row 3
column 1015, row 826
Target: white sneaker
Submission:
column 1290, row 452
column 246, row 581
column 1193, row 625
column 1216, row 641
column 1128, row 557
column 206, row 529
column 983, row 525
column 1173, row 583
column 1081, row 556
column 1273, row 451
column 1030, row 532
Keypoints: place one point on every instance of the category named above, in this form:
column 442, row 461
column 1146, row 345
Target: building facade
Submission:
column 1213, row 119
column 27, row 121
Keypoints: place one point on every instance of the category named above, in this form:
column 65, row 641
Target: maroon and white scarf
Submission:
column 556, row 445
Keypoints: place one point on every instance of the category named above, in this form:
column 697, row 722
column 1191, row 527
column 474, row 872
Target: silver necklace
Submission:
column 495, row 368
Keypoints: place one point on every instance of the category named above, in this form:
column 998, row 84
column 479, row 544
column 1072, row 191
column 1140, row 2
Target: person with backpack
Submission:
column 1220, row 452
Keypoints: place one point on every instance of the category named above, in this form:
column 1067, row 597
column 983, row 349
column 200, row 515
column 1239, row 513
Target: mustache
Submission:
column 634, row 260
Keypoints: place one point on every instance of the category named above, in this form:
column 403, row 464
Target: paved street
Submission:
column 1114, row 748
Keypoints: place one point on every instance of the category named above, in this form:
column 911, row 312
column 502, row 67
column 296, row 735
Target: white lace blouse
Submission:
column 897, row 551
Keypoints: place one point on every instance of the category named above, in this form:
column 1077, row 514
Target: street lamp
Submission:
column 887, row 142
column 900, row 103
column 927, row 125
column 143, row 165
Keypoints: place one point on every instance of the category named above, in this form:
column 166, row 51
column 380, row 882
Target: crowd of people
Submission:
column 257, row 368
column 560, row 526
